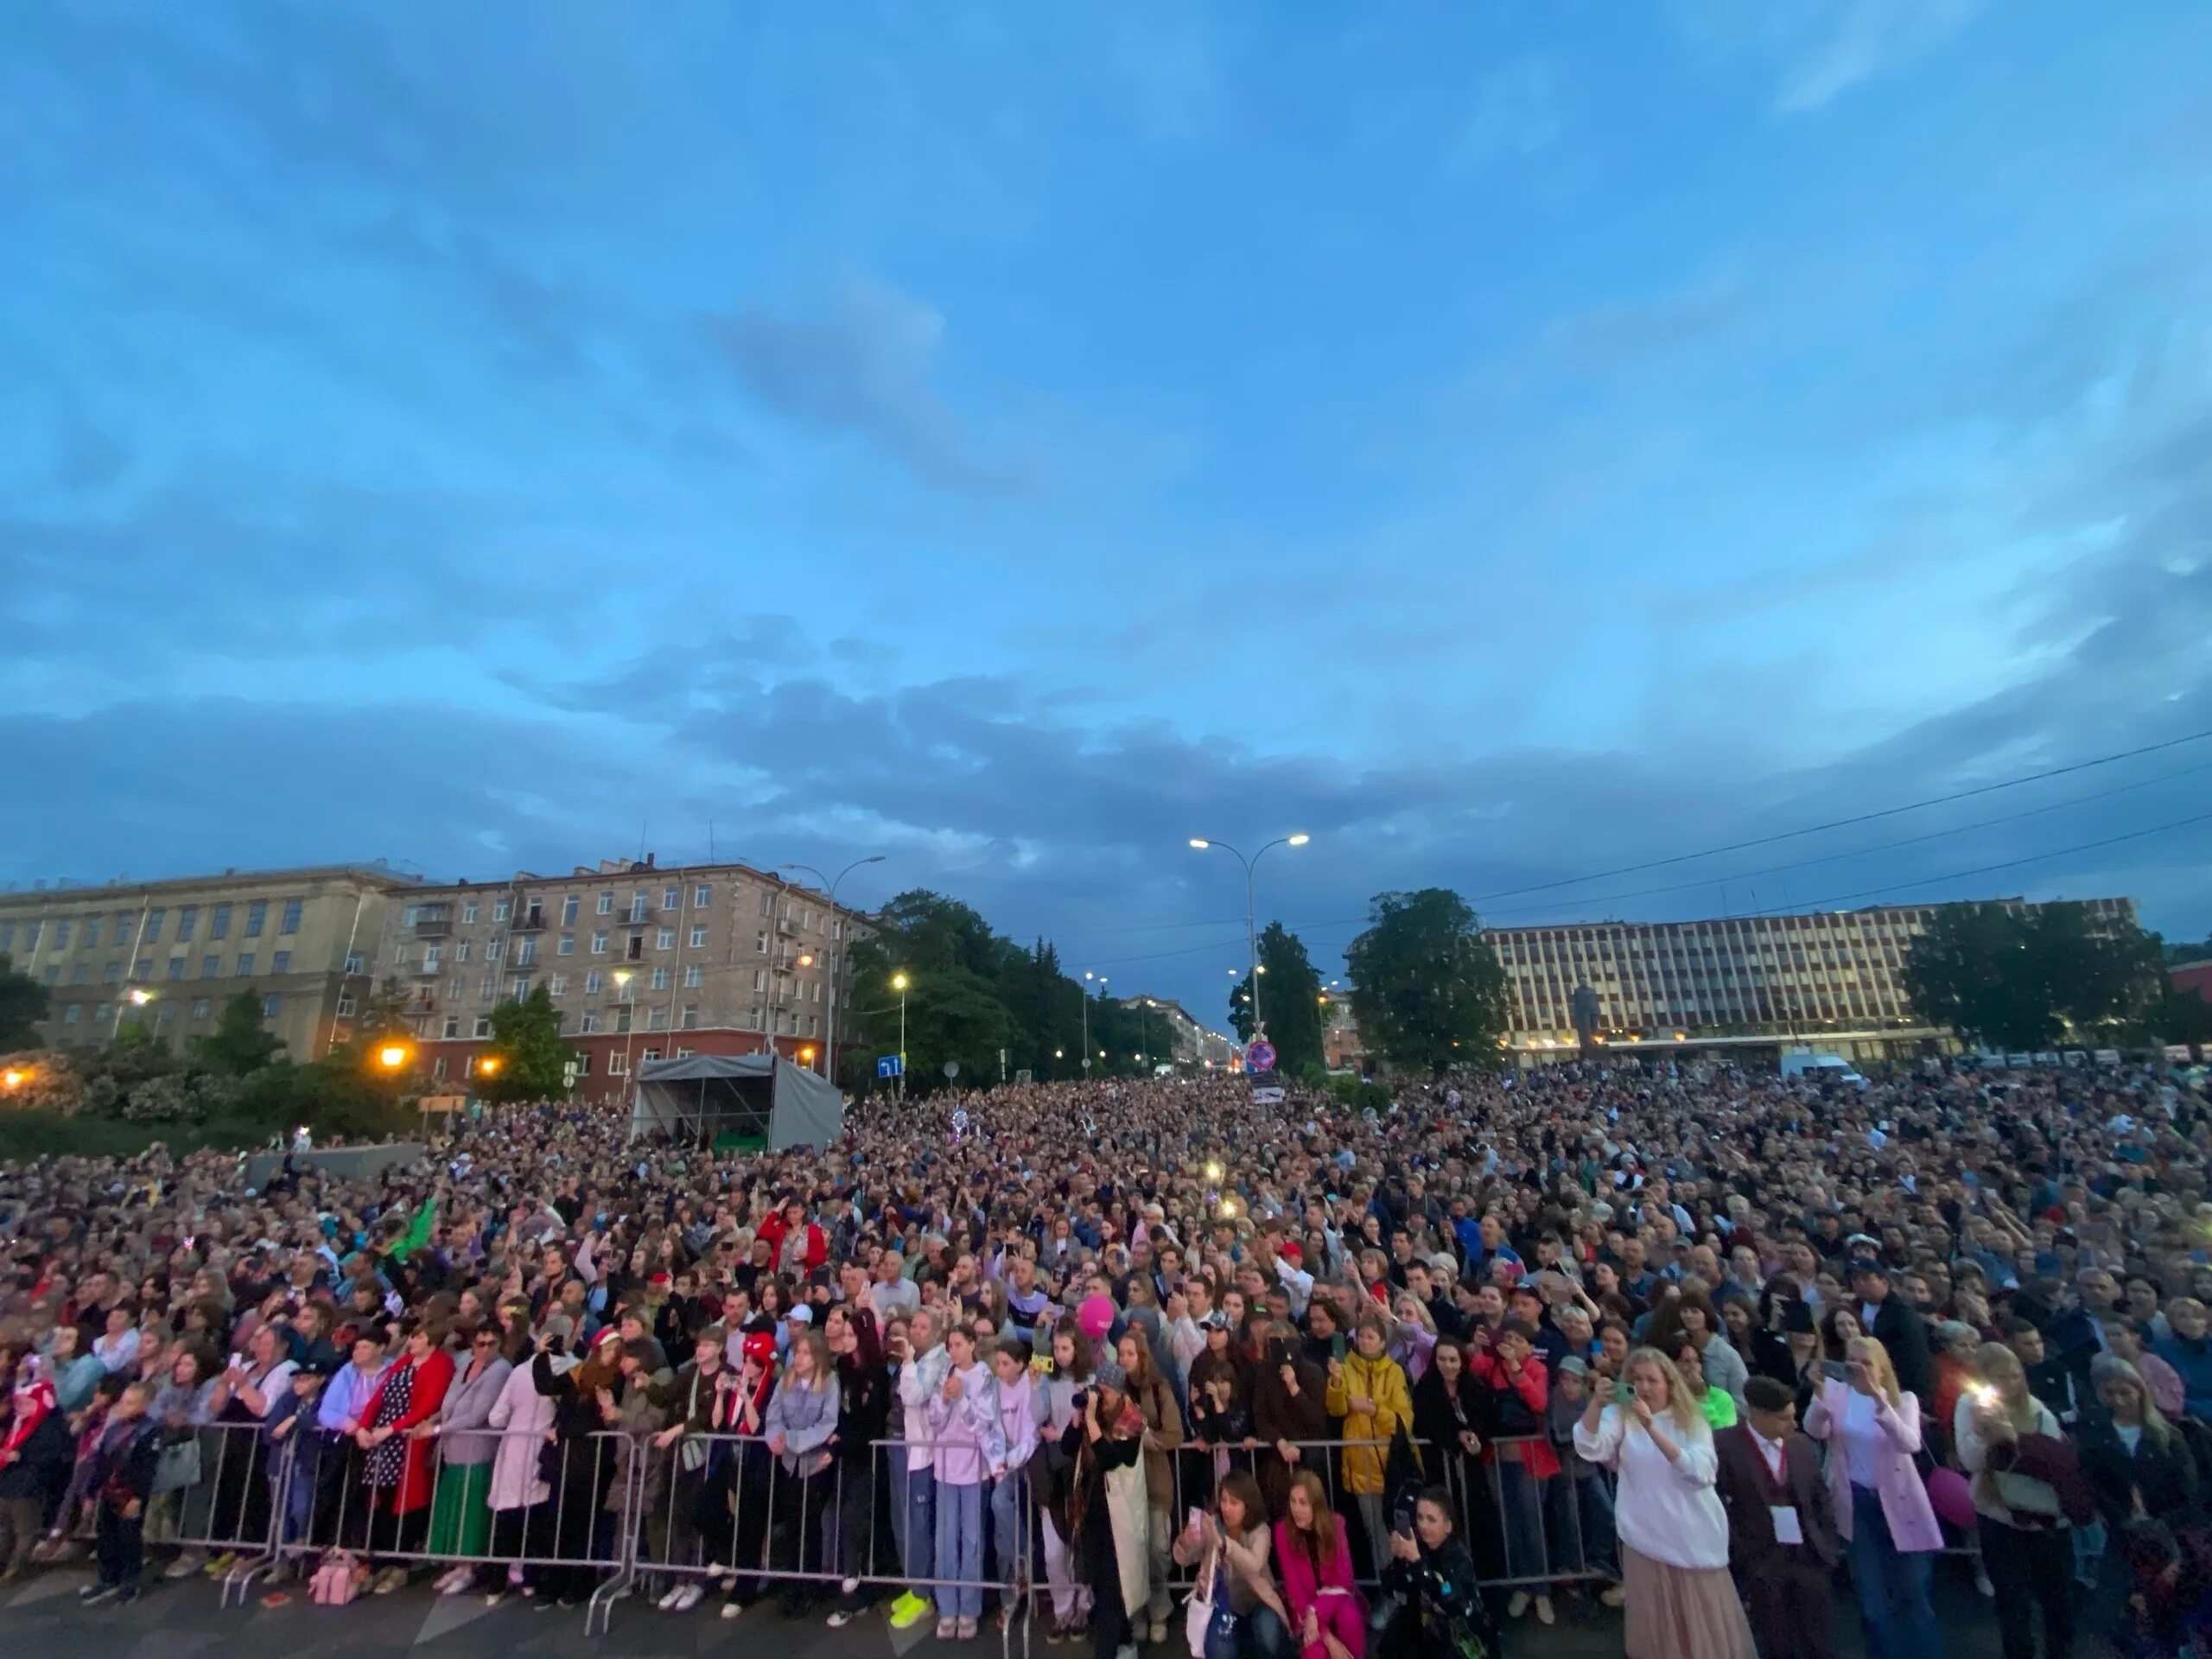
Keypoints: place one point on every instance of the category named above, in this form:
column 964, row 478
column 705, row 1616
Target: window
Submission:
column 760, row 943
column 590, row 1024
column 245, row 964
column 144, row 970
column 290, row 924
column 430, row 958
column 345, row 1005
column 622, row 1018
column 200, row 1008
column 112, row 973
column 660, row 979
column 153, row 935
column 759, row 979
column 493, row 948
column 176, row 968
column 461, row 950
column 569, row 911
column 468, row 910
column 664, row 938
column 501, row 909
column 591, row 984
column 105, row 1013
column 211, row 967
column 638, row 906
column 767, row 903
column 257, row 918
column 522, row 986
column 558, row 985
column 599, row 945
column 618, row 1064
column 606, row 905
column 270, row 1004
column 652, row 1053
column 690, row 1016
column 568, row 945
column 691, row 977
column 670, row 899
column 483, row 1028
column 699, row 935
column 685, row 1053
column 72, row 1013
column 438, row 1068
column 281, row 963
column 62, row 932
column 452, row 1026
column 91, row 932
column 525, row 953
column 187, row 920
column 701, row 896
column 488, row 989
column 219, row 926
column 355, row 964
column 53, row 974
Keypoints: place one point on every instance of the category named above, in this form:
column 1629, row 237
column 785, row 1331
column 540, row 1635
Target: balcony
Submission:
column 427, row 969
column 530, row 920
column 433, row 927
column 787, row 927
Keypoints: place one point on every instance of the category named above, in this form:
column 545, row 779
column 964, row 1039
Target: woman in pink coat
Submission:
column 1327, row 1620
column 1872, row 1428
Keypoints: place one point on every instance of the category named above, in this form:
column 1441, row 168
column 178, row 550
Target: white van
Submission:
column 1821, row 1068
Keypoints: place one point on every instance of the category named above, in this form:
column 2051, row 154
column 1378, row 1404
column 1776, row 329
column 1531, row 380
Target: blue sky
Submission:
column 1507, row 440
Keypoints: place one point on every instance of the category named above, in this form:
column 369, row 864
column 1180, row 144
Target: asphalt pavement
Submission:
column 40, row 1618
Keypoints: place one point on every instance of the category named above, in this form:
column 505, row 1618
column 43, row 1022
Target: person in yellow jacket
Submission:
column 1368, row 1389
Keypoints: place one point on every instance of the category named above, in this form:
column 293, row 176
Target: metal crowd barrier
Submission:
column 620, row 1512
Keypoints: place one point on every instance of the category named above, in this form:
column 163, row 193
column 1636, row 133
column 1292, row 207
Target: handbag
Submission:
column 179, row 1466
column 1198, row 1613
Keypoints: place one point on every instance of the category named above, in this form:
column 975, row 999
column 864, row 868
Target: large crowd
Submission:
column 1684, row 1341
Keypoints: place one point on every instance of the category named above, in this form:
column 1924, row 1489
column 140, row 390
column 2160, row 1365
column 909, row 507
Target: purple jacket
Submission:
column 1904, row 1498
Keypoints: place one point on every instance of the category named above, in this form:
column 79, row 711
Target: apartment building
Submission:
column 1833, row 977
column 170, row 954
column 644, row 963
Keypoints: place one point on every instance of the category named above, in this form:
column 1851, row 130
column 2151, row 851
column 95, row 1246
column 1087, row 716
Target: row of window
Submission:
column 565, row 945
column 128, row 927
column 202, row 1008
column 671, row 898
column 246, row 964
column 587, row 1022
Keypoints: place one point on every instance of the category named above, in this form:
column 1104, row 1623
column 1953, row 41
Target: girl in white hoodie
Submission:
column 964, row 1424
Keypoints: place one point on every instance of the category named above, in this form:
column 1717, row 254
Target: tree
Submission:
column 2025, row 979
column 1290, row 1000
column 384, row 1012
column 24, row 1003
column 2182, row 1016
column 526, row 1058
column 238, row 1045
column 1427, row 988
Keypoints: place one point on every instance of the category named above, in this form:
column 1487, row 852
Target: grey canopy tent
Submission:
column 709, row 1097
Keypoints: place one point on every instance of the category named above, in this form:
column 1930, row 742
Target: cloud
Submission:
column 1518, row 109
column 864, row 362
column 1820, row 50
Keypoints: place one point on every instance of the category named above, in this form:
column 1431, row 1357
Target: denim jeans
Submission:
column 913, row 1515
column 1522, row 1496
column 1579, row 1511
column 960, row 1550
column 1258, row 1635
column 1010, row 1526
column 1891, row 1585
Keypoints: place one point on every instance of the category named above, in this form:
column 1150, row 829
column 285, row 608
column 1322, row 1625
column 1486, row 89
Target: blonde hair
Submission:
column 2001, row 1368
column 1878, row 1361
column 1682, row 1404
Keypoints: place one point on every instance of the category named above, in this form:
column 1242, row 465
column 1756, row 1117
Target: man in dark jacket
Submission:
column 129, row 1452
column 1891, row 1322
column 1783, row 1544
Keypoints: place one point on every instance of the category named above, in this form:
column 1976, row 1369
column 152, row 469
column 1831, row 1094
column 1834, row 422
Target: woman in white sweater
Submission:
column 1682, row 1603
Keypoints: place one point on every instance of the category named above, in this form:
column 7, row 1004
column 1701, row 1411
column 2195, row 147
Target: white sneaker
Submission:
column 667, row 1603
column 1518, row 1604
column 1544, row 1611
column 689, row 1597
column 1612, row 1595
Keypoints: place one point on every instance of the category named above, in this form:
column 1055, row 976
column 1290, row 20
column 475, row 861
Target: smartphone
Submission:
column 1835, row 1369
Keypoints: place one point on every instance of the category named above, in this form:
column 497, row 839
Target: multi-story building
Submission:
column 1836, row 977
column 1173, row 1033
column 1341, row 1048
column 643, row 963
column 170, row 954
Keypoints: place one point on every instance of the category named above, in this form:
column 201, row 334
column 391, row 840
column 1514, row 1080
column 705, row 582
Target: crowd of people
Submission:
column 1685, row 1340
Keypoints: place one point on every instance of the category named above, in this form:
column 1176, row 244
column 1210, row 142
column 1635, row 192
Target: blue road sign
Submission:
column 890, row 1065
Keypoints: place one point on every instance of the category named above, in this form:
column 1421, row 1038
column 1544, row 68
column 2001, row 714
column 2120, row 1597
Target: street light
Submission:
column 1101, row 980
column 15, row 1076
column 393, row 1056
column 622, row 977
column 830, row 1058
column 899, row 983
column 1251, row 936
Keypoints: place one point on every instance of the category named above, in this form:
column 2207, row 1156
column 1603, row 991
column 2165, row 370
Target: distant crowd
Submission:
column 1683, row 1341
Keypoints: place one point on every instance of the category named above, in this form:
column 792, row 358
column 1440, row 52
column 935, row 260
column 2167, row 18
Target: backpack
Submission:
column 335, row 1581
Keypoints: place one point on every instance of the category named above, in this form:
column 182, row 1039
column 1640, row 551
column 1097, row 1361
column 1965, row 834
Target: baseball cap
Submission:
column 1867, row 1264
column 1574, row 1365
column 801, row 1314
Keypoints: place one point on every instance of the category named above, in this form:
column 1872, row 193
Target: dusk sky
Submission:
column 1509, row 442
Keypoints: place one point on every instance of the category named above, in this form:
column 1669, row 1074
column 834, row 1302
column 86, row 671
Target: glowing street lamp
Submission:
column 1251, row 936
column 899, row 983
column 15, row 1076
column 829, row 1055
column 393, row 1056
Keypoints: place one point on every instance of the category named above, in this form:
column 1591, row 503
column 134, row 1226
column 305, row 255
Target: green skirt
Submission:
column 461, row 1515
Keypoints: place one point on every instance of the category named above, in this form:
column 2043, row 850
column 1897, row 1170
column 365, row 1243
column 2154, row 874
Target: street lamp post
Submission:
column 1101, row 979
column 630, row 1033
column 837, row 976
column 1251, row 937
column 899, row 982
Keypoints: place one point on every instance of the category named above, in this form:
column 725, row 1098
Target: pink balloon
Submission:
column 1951, row 1497
column 1095, row 1317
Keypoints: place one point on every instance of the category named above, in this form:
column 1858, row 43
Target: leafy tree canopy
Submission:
column 1290, row 1001
column 531, row 1058
column 2024, row 980
column 240, row 1044
column 23, row 1004
column 1427, row 988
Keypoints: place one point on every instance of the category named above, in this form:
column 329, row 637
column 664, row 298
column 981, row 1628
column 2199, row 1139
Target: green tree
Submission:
column 238, row 1045
column 2026, row 979
column 1427, row 988
column 384, row 1012
column 1290, row 1001
column 531, row 1060
column 2181, row 1016
column 24, row 1003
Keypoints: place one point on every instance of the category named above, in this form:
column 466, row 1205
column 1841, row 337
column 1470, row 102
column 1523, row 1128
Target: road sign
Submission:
column 890, row 1065
column 568, row 1074
column 1261, row 1056
column 951, row 1070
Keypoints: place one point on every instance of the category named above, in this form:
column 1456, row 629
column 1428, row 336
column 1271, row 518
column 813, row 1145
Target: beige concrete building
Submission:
column 644, row 963
column 174, row 952
column 1834, row 978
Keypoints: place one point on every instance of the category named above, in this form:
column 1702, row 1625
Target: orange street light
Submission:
column 393, row 1056
column 15, row 1076
column 806, row 1054
column 487, row 1065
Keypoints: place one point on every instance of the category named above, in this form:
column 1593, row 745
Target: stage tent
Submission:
column 743, row 1098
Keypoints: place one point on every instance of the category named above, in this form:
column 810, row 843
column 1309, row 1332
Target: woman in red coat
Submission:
column 399, row 1460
